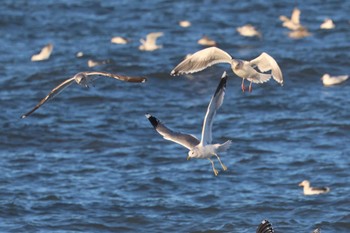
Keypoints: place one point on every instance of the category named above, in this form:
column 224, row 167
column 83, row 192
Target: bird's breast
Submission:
column 205, row 151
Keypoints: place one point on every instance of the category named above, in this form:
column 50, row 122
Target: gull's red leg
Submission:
column 250, row 87
column 242, row 86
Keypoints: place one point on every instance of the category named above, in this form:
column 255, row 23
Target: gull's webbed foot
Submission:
column 216, row 172
column 224, row 167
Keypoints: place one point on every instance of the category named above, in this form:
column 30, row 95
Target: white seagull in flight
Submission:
column 243, row 69
column 83, row 79
column 292, row 23
column 150, row 43
column 203, row 149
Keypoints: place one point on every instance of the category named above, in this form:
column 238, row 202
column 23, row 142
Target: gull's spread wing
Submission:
column 201, row 60
column 265, row 227
column 152, row 37
column 124, row 78
column 215, row 103
column 52, row 94
column 295, row 18
column 185, row 140
column 265, row 62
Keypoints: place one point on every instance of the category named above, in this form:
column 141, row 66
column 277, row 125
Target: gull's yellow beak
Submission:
column 188, row 157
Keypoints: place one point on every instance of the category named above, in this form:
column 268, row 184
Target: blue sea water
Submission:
column 89, row 161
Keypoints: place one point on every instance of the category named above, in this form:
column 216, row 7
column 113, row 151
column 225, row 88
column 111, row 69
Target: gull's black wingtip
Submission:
column 222, row 84
column 224, row 77
column 174, row 73
column 154, row 121
column 265, row 227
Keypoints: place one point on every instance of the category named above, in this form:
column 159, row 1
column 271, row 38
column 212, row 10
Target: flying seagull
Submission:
column 292, row 23
column 150, row 43
column 83, row 79
column 265, row 227
column 243, row 69
column 311, row 190
column 203, row 149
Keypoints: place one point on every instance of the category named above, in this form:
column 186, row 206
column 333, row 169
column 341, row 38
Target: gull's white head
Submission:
column 236, row 64
column 193, row 153
column 82, row 79
column 305, row 183
column 325, row 77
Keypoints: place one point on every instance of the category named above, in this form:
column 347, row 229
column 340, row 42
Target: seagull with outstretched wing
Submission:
column 203, row 149
column 83, row 79
column 150, row 43
column 243, row 69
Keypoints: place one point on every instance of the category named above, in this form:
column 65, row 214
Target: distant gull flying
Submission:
column 203, row 149
column 311, row 190
column 328, row 80
column 294, row 22
column 44, row 53
column 150, row 43
column 243, row 69
column 83, row 79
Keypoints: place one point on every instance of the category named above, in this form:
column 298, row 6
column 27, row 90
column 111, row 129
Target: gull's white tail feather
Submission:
column 224, row 147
